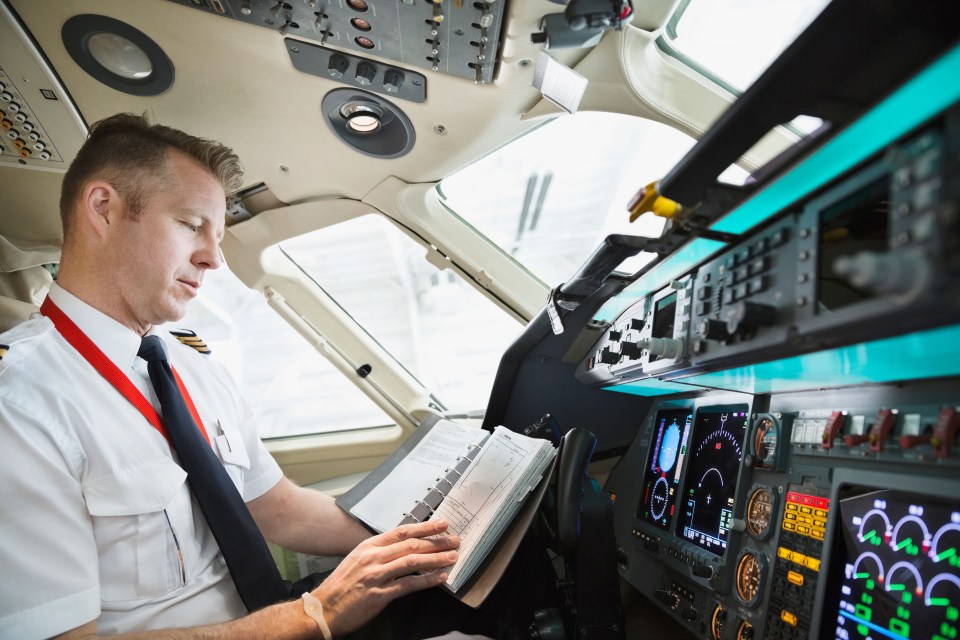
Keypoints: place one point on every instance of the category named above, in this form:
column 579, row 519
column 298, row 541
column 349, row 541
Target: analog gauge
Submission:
column 745, row 631
column 749, row 579
column 716, row 622
column 763, row 444
column 760, row 508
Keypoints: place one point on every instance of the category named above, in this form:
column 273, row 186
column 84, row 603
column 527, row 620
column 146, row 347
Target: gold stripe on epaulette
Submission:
column 191, row 339
column 3, row 350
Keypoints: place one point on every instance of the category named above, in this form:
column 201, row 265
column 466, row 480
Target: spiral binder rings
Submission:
column 426, row 506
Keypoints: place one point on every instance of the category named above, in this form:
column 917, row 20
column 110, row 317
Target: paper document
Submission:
column 475, row 480
column 384, row 507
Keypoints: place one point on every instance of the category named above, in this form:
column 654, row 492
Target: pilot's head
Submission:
column 131, row 154
column 143, row 210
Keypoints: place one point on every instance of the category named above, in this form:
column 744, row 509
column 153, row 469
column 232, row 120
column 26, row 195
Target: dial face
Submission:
column 764, row 445
column 760, row 511
column 749, row 577
column 745, row 631
column 660, row 498
column 716, row 622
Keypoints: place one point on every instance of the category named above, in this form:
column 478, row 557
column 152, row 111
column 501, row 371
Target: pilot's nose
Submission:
column 209, row 256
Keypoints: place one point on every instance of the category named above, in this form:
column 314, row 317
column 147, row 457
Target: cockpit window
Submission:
column 735, row 41
column 445, row 333
column 550, row 197
column 291, row 388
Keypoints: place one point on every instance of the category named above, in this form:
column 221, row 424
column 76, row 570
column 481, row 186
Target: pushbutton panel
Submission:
column 40, row 128
column 23, row 137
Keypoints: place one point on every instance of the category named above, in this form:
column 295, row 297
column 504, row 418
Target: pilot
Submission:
column 102, row 529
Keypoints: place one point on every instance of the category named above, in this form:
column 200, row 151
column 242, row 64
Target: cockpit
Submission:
column 720, row 238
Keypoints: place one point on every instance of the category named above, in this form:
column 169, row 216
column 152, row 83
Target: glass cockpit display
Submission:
column 668, row 450
column 898, row 575
column 710, row 487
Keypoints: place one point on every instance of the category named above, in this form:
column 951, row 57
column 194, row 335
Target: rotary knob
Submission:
column 710, row 329
column 662, row 347
column 749, row 315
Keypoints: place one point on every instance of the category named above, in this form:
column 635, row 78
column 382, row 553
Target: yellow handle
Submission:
column 648, row 199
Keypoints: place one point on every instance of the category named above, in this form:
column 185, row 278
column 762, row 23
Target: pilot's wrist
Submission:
column 314, row 609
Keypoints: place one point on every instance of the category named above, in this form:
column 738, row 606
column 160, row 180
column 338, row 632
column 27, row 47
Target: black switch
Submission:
column 631, row 350
column 365, row 73
column 609, row 357
column 337, row 66
column 392, row 80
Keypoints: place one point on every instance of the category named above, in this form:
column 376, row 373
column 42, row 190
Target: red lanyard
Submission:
column 92, row 354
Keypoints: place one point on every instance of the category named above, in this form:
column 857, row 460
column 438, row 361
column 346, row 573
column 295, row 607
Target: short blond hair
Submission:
column 132, row 155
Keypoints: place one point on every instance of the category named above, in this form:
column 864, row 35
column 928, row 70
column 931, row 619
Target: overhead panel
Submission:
column 39, row 126
column 457, row 37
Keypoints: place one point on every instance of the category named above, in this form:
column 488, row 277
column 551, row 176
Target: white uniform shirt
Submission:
column 96, row 518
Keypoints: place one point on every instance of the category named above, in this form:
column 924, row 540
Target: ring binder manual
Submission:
column 475, row 480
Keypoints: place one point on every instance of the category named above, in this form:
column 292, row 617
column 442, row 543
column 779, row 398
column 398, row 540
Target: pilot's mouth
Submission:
column 195, row 286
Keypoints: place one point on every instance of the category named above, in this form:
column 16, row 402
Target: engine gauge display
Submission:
column 749, row 577
column 745, row 631
column 760, row 509
column 668, row 450
column 711, row 481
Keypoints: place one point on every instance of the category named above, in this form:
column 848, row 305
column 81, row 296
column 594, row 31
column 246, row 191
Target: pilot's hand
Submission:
column 383, row 568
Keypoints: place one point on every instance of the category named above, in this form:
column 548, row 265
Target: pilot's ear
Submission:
column 100, row 206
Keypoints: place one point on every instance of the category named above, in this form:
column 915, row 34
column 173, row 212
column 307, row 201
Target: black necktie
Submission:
column 241, row 543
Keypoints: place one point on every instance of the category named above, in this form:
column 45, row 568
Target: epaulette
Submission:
column 191, row 339
column 3, row 350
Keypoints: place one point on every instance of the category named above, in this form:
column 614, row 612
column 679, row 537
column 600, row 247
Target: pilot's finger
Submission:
column 407, row 531
column 416, row 563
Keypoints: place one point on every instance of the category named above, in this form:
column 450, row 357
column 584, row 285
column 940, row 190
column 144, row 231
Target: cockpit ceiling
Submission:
column 235, row 82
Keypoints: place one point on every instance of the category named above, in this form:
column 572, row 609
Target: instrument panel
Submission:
column 867, row 256
column 765, row 536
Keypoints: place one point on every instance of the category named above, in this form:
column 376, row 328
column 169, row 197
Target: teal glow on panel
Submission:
column 923, row 97
column 926, row 354
column 650, row 387
column 689, row 256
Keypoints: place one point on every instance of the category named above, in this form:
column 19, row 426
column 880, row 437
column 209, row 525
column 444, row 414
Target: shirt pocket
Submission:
column 232, row 451
column 140, row 555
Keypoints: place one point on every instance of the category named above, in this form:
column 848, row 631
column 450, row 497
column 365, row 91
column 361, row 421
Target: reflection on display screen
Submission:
column 898, row 571
column 664, row 318
column 668, row 450
column 711, row 482
column 856, row 223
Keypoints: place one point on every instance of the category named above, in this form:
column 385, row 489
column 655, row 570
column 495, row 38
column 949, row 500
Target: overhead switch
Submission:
column 365, row 73
column 337, row 66
column 392, row 80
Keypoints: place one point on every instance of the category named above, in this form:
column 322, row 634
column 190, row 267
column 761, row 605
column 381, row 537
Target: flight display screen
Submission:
column 897, row 573
column 706, row 512
column 668, row 450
